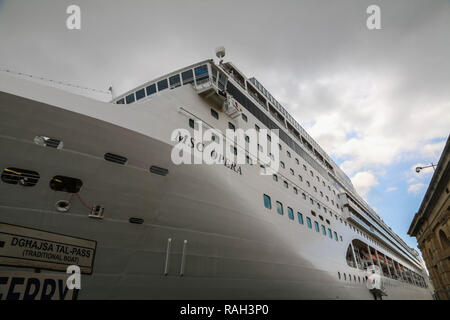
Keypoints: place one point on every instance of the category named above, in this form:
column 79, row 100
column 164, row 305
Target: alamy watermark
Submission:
column 233, row 148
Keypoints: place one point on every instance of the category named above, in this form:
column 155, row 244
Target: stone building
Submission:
column 431, row 226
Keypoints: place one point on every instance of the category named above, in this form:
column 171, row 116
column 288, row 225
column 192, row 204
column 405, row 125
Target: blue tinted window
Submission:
column 151, row 89
column 290, row 213
column 308, row 221
column 130, row 98
column 267, row 202
column 316, row 225
column 121, row 101
column 187, row 76
column 162, row 85
column 280, row 207
column 140, row 94
column 174, row 81
column 335, row 236
column 300, row 217
column 330, row 234
column 201, row 72
column 324, row 231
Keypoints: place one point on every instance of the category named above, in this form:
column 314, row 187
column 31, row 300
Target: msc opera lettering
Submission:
column 190, row 141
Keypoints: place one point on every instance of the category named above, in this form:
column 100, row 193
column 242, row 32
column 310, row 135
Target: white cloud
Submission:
column 416, row 188
column 364, row 181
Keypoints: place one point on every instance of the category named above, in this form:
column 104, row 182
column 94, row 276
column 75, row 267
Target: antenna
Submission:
column 220, row 53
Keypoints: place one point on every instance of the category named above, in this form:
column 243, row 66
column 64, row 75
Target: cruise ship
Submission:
column 93, row 184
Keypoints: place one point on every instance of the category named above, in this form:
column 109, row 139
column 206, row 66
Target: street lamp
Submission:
column 420, row 168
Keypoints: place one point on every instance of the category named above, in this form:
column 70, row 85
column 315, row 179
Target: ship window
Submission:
column 324, row 231
column 269, row 138
column 300, row 178
column 234, row 150
column 308, row 184
column 244, row 117
column 345, row 277
column 115, row 158
column 295, row 190
column 339, row 275
column 320, row 217
column 290, row 213
column 231, row 126
column 315, row 189
column 282, row 164
column 193, row 124
column 23, row 177
column 174, row 81
column 318, row 179
column 288, row 154
column 304, row 196
column 300, row 218
column 275, row 177
column 296, row 160
column 151, row 89
column 330, row 233
column 292, row 171
column 326, row 197
column 260, row 148
column 214, row 114
column 130, row 98
column 313, row 213
column 328, row 221
column 66, row 184
column 187, row 76
column 140, row 94
column 121, row 101
column 335, row 236
column 201, row 74
column 262, row 170
column 311, row 200
column 286, row 185
column 304, row 167
column 214, row 74
column 267, row 202
column 321, row 193
column 279, row 146
column 256, row 128
column 341, row 238
column 312, row 173
column 316, row 226
column 247, row 139
column 308, row 222
column 222, row 82
column 280, row 207
column 162, row 85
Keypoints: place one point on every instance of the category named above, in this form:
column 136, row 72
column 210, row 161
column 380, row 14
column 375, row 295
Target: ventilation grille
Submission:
column 159, row 170
column 136, row 220
column 26, row 178
column 115, row 158
column 48, row 142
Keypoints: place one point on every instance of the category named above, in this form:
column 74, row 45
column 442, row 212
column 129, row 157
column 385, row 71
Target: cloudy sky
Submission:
column 378, row 101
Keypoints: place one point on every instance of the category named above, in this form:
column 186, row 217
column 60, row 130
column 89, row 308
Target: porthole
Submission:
column 158, row 170
column 115, row 158
column 23, row 177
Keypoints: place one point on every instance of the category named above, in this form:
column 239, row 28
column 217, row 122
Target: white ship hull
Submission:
column 235, row 248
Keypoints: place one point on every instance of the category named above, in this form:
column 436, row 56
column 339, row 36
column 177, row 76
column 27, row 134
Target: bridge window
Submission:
column 23, row 177
column 330, row 234
column 121, row 101
column 324, row 231
column 267, row 202
column 140, row 94
column 174, row 81
column 162, row 85
column 201, row 74
column 290, row 213
column 280, row 208
column 187, row 76
column 151, row 89
column 335, row 236
column 308, row 221
column 130, row 98
column 244, row 117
